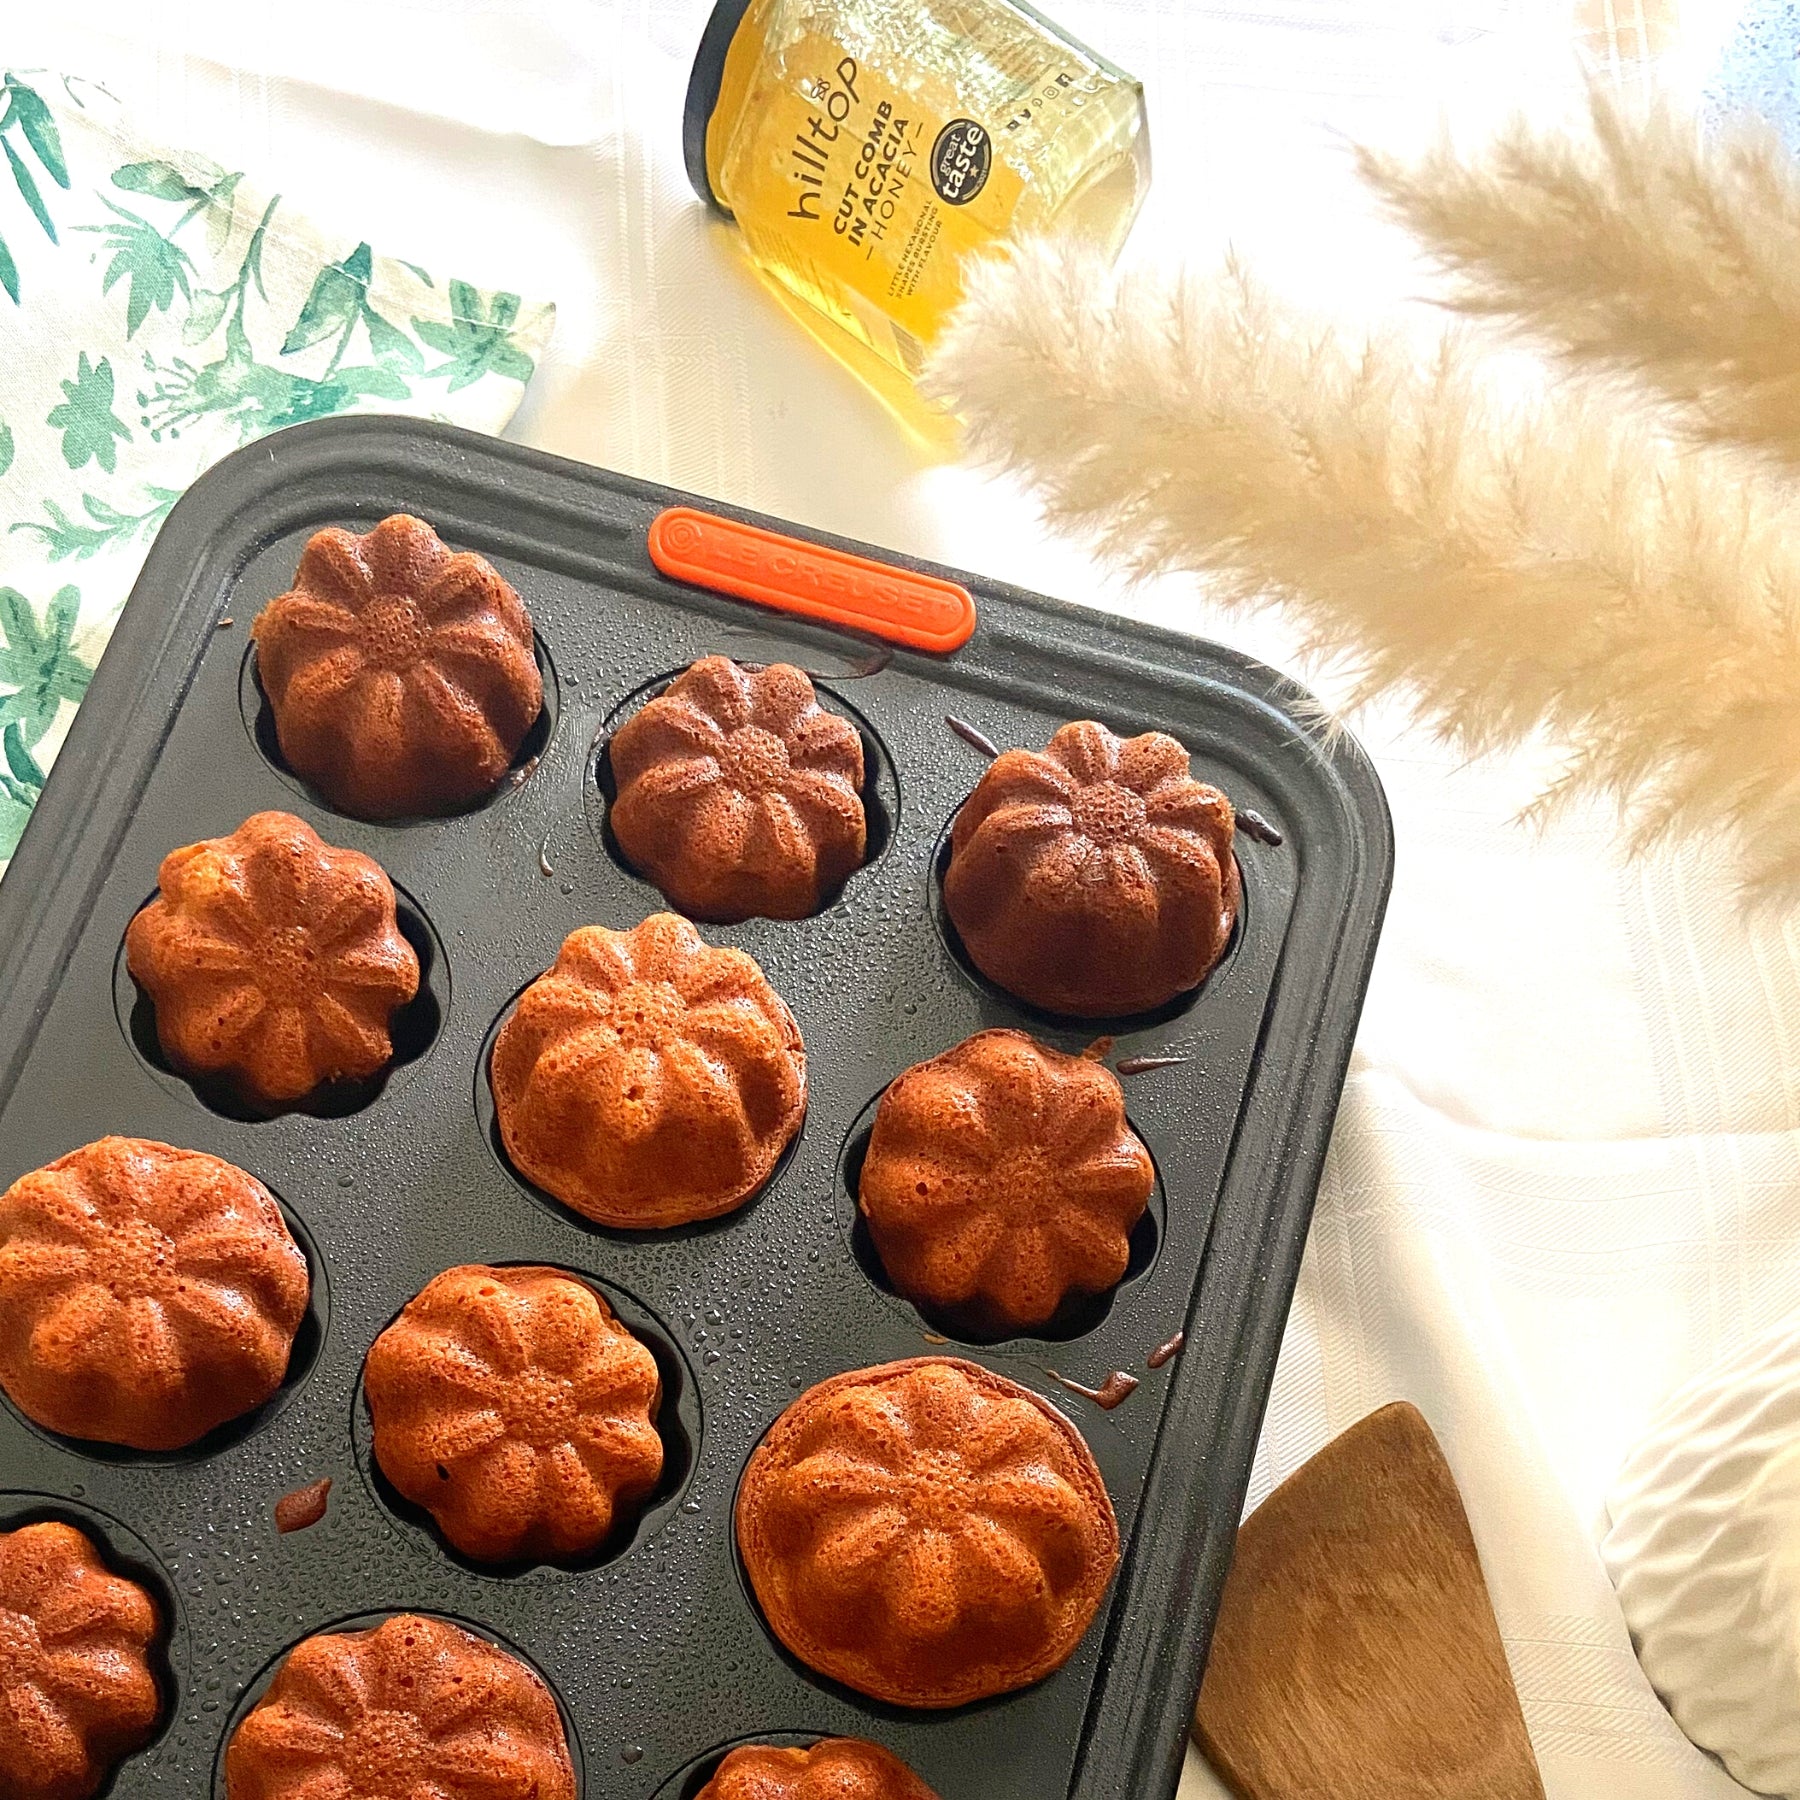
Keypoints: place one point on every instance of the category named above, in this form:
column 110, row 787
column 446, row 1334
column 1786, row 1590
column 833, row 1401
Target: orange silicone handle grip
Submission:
column 924, row 612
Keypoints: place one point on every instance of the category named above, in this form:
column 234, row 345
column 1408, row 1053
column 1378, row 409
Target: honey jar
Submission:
column 865, row 148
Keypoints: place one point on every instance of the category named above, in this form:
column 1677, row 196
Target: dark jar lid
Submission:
column 703, row 95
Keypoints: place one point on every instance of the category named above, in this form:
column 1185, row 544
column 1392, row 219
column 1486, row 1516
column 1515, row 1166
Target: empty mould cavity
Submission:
column 752, row 757
column 678, row 1425
column 1078, row 1315
column 259, row 722
column 413, row 1028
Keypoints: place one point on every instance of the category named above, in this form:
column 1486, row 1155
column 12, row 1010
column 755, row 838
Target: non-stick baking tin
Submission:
column 657, row 1653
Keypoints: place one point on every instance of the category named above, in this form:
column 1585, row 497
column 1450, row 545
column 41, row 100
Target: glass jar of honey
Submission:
column 866, row 147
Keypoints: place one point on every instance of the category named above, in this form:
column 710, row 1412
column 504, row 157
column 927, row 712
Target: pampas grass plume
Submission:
column 1554, row 569
column 1646, row 249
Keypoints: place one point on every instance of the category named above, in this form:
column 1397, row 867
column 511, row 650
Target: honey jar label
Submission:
column 883, row 193
column 866, row 148
column 960, row 160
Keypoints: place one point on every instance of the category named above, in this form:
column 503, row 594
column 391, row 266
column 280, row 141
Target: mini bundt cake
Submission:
column 1094, row 878
column 926, row 1532
column 76, row 1689
column 274, row 961
column 514, row 1407
column 147, row 1294
column 1001, row 1178
column 415, row 1707
column 648, row 1079
column 738, row 794
column 402, row 678
column 832, row 1769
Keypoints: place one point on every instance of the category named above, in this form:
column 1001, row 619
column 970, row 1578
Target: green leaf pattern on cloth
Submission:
column 23, row 115
column 39, row 664
column 153, row 266
column 86, row 418
column 478, row 338
column 159, row 313
column 38, row 661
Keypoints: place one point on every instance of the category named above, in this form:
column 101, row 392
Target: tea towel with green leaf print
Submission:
column 157, row 312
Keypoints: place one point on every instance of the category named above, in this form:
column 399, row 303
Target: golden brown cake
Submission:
column 147, row 1294
column 76, row 1690
column 1002, row 1178
column 274, row 960
column 832, row 1769
column 401, row 677
column 514, row 1407
column 648, row 1079
column 415, row 1707
column 738, row 794
column 1094, row 878
column 926, row 1532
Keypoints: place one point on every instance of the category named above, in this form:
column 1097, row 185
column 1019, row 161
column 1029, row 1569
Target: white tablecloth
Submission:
column 1565, row 1175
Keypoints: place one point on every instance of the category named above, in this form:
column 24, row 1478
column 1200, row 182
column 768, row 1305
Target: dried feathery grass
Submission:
column 1552, row 569
column 1646, row 250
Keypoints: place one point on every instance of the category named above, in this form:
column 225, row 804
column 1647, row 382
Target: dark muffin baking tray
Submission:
column 656, row 1652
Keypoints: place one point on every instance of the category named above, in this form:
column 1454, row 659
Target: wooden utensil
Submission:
column 1356, row 1655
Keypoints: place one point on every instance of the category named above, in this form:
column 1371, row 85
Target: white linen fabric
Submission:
column 1566, row 1175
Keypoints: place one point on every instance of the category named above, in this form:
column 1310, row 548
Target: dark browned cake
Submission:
column 738, row 794
column 1094, row 878
column 402, row 677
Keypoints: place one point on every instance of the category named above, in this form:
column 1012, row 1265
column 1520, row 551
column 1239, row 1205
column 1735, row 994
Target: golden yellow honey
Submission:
column 865, row 148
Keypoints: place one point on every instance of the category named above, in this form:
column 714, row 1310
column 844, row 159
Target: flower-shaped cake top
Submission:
column 415, row 1707
column 832, row 1769
column 402, row 677
column 514, row 1407
column 76, row 1691
column 147, row 1294
column 926, row 1532
column 1001, row 1178
column 648, row 1079
column 1094, row 878
column 738, row 794
column 274, row 960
